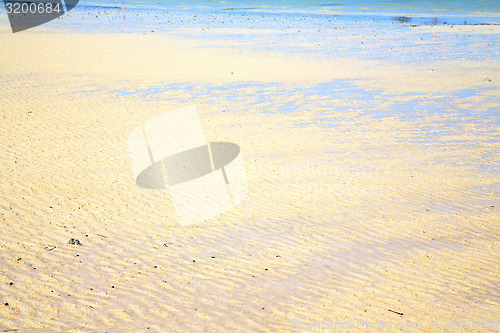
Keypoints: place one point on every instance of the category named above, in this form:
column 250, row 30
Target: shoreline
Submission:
column 185, row 14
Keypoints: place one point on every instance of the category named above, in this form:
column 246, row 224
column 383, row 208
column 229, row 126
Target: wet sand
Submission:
column 371, row 203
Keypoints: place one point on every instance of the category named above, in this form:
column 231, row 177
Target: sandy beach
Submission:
column 373, row 199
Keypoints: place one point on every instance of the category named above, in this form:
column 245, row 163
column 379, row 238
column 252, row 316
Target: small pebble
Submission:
column 74, row 241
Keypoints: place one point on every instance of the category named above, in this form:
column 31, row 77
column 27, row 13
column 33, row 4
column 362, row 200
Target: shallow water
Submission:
column 463, row 7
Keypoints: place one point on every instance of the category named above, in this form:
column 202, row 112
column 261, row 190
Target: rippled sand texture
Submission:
column 372, row 187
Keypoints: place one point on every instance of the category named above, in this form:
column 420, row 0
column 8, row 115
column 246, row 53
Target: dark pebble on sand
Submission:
column 74, row 241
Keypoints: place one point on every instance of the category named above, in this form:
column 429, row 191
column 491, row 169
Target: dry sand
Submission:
column 342, row 223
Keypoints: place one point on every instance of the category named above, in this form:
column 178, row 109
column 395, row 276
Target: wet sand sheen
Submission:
column 342, row 222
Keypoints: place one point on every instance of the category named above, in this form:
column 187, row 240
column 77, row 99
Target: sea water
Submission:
column 144, row 15
column 392, row 7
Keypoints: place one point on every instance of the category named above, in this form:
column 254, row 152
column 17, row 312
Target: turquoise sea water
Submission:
column 408, row 7
column 281, row 14
column 270, row 13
